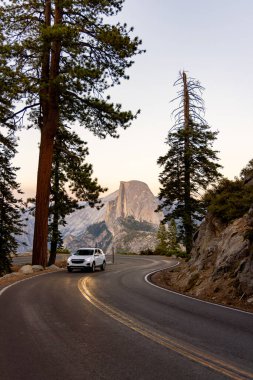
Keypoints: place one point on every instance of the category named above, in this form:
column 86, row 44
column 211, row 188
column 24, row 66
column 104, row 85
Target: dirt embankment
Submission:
column 220, row 268
column 185, row 279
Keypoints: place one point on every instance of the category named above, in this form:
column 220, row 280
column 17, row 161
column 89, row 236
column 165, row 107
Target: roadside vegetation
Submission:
column 60, row 73
column 10, row 205
column 231, row 199
column 167, row 241
column 191, row 164
column 55, row 73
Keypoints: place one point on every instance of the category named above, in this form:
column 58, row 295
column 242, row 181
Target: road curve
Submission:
column 114, row 325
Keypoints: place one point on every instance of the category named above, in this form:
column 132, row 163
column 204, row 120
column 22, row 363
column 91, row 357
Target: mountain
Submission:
column 127, row 222
column 134, row 199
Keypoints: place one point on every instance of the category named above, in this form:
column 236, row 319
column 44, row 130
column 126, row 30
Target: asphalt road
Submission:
column 114, row 325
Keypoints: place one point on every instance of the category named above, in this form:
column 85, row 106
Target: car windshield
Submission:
column 84, row 252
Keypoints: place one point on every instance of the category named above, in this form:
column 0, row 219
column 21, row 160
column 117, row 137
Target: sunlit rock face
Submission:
column 226, row 250
column 127, row 222
column 135, row 200
column 221, row 264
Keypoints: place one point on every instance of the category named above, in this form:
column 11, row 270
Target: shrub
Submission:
column 229, row 200
column 147, row 252
column 63, row 250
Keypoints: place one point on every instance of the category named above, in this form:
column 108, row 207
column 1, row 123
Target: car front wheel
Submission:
column 93, row 267
column 103, row 266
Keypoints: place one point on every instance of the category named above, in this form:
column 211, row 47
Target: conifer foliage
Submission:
column 162, row 240
column 167, row 241
column 190, row 164
column 71, row 182
column 231, row 199
column 66, row 55
column 10, row 206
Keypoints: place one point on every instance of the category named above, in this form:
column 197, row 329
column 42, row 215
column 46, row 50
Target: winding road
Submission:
column 116, row 325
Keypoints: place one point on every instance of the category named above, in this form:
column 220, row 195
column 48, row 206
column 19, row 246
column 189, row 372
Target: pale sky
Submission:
column 210, row 39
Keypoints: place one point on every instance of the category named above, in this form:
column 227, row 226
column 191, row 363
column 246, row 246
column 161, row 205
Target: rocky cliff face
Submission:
column 135, row 200
column 128, row 218
column 221, row 264
column 227, row 251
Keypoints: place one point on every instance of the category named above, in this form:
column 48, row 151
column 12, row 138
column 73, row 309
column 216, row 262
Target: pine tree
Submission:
column 172, row 240
column 71, row 182
column 7, row 87
column 66, row 56
column 162, row 240
column 247, row 173
column 167, row 242
column 10, row 206
column 190, row 164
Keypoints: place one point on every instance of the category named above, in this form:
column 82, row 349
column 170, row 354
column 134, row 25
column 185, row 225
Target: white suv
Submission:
column 87, row 258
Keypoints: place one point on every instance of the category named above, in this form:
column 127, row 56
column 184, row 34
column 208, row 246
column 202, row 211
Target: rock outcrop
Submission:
column 227, row 251
column 135, row 200
column 221, row 264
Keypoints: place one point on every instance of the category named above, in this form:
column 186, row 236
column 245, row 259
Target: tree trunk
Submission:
column 42, row 197
column 55, row 223
column 53, row 250
column 49, row 97
column 187, row 168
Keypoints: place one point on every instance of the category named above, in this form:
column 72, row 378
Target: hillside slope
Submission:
column 221, row 264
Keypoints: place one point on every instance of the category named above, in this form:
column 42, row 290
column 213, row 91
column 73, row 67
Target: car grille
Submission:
column 75, row 261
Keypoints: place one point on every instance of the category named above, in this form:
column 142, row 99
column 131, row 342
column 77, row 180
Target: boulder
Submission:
column 37, row 268
column 26, row 269
column 53, row 267
column 10, row 275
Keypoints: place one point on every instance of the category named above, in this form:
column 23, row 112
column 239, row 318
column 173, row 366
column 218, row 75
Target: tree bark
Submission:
column 53, row 249
column 55, row 223
column 42, row 197
column 49, row 96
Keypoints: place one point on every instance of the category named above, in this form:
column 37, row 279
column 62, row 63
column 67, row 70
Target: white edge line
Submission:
column 25, row 279
column 190, row 297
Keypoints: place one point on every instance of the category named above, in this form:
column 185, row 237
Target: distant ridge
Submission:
column 127, row 222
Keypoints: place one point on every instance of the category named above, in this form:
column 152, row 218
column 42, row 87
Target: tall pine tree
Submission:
column 190, row 164
column 10, row 206
column 66, row 56
column 71, row 182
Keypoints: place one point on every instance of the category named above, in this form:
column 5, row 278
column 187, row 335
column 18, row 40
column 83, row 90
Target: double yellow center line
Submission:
column 181, row 348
